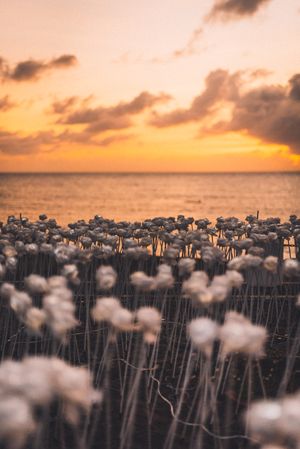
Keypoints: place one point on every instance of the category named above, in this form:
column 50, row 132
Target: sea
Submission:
column 138, row 196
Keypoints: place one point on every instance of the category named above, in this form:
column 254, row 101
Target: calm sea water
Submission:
column 68, row 197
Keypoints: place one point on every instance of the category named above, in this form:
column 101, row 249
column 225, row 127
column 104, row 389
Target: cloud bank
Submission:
column 73, row 111
column 269, row 112
column 32, row 69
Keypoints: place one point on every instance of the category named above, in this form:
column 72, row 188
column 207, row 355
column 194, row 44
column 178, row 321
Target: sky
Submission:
column 160, row 86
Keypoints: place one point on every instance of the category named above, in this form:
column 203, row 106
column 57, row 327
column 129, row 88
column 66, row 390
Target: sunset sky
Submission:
column 166, row 85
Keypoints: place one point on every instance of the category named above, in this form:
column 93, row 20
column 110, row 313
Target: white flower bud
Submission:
column 186, row 266
column 149, row 320
column 122, row 319
column 106, row 277
column 35, row 318
column 270, row 263
column 105, row 308
column 36, row 284
column 203, row 332
column 142, row 282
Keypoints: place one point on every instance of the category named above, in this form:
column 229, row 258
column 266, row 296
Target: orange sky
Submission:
column 133, row 86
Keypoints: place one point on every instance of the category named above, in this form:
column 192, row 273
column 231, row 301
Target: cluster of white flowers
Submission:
column 145, row 319
column 238, row 334
column 111, row 311
column 142, row 281
column 58, row 311
column 59, row 308
column 163, row 279
column 186, row 265
column 244, row 262
column 198, row 288
column 37, row 381
column 272, row 421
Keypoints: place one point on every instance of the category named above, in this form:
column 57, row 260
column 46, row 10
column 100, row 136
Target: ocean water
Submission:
column 68, row 197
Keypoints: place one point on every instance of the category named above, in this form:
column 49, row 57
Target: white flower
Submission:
column 105, row 308
column 106, row 277
column 203, row 332
column 149, row 320
column 36, row 284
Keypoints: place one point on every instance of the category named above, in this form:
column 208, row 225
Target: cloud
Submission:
column 63, row 61
column 101, row 118
column 13, row 144
column 270, row 113
column 108, row 123
column 188, row 49
column 73, row 111
column 114, row 139
column 67, row 105
column 259, row 73
column 6, row 103
column 31, row 69
column 63, row 106
column 295, row 87
column 219, row 86
column 234, row 9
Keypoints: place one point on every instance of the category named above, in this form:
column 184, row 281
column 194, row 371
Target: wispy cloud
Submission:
column 6, row 104
column 234, row 9
column 189, row 49
column 63, row 106
column 13, row 143
column 67, row 105
column 114, row 139
column 32, row 69
column 17, row 144
column 101, row 118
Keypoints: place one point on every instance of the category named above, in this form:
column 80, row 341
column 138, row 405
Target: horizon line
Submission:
column 148, row 172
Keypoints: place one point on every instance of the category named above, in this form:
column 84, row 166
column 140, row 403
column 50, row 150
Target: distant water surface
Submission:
column 68, row 197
